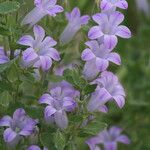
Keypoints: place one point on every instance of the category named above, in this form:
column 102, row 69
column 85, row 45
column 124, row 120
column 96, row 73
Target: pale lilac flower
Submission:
column 18, row 126
column 43, row 8
column 3, row 57
column 108, row 88
column 75, row 22
column 100, row 55
column 40, row 52
column 144, row 6
column 35, row 147
column 60, row 100
column 108, row 138
column 108, row 28
column 106, row 5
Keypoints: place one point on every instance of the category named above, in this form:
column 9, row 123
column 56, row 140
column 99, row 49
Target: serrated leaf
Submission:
column 89, row 89
column 59, row 140
column 5, row 98
column 9, row 7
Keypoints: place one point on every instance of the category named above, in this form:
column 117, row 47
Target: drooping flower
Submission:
column 3, row 57
column 18, row 126
column 100, row 55
column 75, row 22
column 60, row 100
column 35, row 147
column 108, row 88
column 108, row 138
column 43, row 8
column 143, row 6
column 106, row 5
column 108, row 28
column 40, row 52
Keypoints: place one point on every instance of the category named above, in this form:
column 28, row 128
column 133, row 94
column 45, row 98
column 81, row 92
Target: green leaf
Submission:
column 5, row 98
column 89, row 89
column 59, row 140
column 93, row 128
column 9, row 7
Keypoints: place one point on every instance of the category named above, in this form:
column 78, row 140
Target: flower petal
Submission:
column 100, row 18
column 75, row 13
column 103, row 109
column 105, row 5
column 85, row 19
column 54, row 10
column 122, row 4
column 114, row 57
column 110, row 146
column 48, row 42
column 5, row 121
column 120, row 100
column 95, row 32
column 110, row 41
column 26, row 40
column 33, row 147
column 49, row 111
column 46, row 62
column 102, row 64
column 123, row 32
column 46, row 99
column 39, row 33
column 123, row 139
column 53, row 53
column 9, row 135
column 69, row 104
column 18, row 114
column 87, row 54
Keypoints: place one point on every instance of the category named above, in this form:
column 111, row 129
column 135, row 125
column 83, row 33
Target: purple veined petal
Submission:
column 9, row 135
column 93, row 45
column 92, row 142
column 90, row 70
column 115, row 58
column 33, row 147
column 38, row 3
column 26, row 40
column 3, row 59
column 110, row 41
column 105, row 5
column 69, row 104
column 53, row 53
column 49, row 111
column 46, row 99
column 100, row 18
column 110, row 146
column 29, row 55
column 46, row 62
column 116, row 18
column 25, row 132
column 120, row 100
column 56, row 91
column 5, row 121
column 101, row 64
column 123, row 31
column 123, row 139
column 48, row 42
column 87, row 54
column 51, row 2
column 18, row 114
column 115, row 131
column 54, row 10
column 98, row 98
column 122, row 4
column 34, row 16
column 85, row 19
column 61, row 119
column 68, row 16
column 75, row 13
column 103, row 109
column 39, row 33
column 95, row 32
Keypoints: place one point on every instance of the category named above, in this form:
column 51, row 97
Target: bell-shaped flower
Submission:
column 43, row 8
column 107, row 5
column 3, row 57
column 109, row 88
column 108, row 138
column 59, row 101
column 40, row 52
column 75, row 21
column 18, row 126
column 35, row 147
column 108, row 28
column 100, row 55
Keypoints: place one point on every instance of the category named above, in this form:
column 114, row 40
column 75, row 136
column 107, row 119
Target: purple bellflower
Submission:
column 43, row 8
column 59, row 101
column 75, row 22
column 108, row 138
column 18, row 126
column 3, row 57
column 113, row 4
column 108, row 88
column 108, row 28
column 35, row 147
column 100, row 54
column 40, row 52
